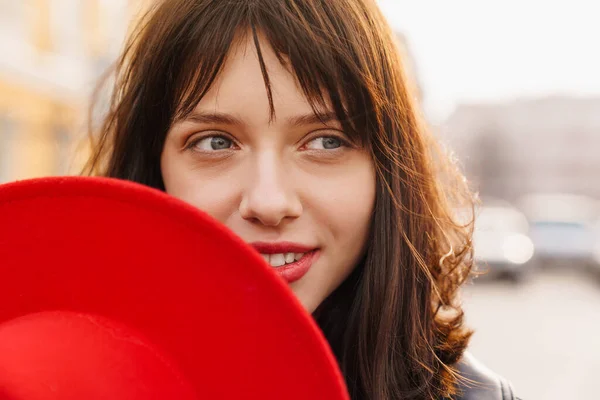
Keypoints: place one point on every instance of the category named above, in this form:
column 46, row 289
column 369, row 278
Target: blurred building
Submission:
column 52, row 54
column 410, row 67
column 529, row 146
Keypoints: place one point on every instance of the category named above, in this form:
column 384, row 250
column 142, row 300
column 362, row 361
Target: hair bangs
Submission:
column 325, row 78
column 202, row 53
column 330, row 80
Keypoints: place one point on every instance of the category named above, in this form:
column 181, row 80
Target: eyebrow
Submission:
column 228, row 119
column 213, row 117
column 312, row 118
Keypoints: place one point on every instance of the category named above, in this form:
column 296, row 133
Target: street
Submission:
column 543, row 335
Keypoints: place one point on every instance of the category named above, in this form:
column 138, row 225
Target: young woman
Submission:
column 292, row 123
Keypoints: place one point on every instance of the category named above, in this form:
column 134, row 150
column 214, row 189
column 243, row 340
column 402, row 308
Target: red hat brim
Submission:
column 141, row 258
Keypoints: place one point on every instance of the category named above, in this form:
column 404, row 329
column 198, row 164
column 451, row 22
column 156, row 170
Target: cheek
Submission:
column 345, row 203
column 341, row 210
column 208, row 189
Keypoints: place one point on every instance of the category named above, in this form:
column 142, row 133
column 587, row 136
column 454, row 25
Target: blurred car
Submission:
column 502, row 247
column 596, row 249
column 562, row 228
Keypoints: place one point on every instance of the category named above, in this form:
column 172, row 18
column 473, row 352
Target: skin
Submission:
column 292, row 178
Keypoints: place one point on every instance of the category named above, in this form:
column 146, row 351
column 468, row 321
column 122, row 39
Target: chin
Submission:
column 309, row 303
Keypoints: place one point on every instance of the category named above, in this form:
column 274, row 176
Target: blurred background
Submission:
column 512, row 87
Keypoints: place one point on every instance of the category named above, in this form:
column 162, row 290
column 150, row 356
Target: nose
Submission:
column 269, row 198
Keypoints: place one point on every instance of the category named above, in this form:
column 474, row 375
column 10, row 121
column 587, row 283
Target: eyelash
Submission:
column 345, row 143
column 192, row 143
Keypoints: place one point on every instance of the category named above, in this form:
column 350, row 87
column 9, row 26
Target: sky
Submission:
column 493, row 51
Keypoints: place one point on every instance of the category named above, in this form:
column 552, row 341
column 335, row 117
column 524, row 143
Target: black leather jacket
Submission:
column 481, row 383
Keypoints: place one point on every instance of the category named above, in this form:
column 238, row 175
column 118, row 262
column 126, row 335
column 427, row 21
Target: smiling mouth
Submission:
column 281, row 259
column 290, row 260
column 298, row 266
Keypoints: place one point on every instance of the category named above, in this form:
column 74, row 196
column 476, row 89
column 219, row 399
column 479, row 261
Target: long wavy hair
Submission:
column 396, row 323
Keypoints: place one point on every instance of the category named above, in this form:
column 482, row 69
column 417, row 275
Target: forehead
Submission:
column 241, row 87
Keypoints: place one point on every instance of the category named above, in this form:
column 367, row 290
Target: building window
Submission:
column 66, row 27
column 7, row 150
column 62, row 151
column 12, row 20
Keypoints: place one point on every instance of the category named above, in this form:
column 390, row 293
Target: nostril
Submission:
column 270, row 210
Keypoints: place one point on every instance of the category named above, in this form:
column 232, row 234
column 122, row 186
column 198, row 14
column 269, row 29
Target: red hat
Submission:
column 112, row 290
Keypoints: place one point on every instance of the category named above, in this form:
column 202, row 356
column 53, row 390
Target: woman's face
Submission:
column 292, row 186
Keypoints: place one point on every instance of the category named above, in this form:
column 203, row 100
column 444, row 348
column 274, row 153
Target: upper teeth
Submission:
column 277, row 260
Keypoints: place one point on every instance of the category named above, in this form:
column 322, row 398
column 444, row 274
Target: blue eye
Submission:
column 213, row 143
column 325, row 143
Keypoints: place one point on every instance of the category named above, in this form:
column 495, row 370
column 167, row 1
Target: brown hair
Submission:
column 395, row 324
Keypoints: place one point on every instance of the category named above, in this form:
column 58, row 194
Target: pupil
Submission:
column 219, row 143
column 331, row 143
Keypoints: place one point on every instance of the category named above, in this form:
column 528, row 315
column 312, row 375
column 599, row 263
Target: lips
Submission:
column 281, row 247
column 290, row 260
